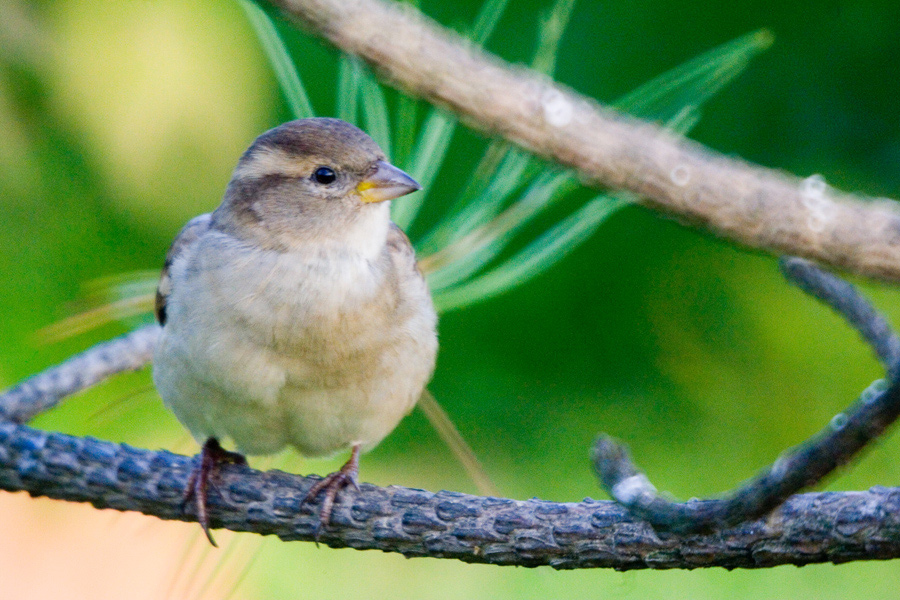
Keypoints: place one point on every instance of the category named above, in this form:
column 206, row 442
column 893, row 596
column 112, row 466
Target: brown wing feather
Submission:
column 189, row 234
column 400, row 247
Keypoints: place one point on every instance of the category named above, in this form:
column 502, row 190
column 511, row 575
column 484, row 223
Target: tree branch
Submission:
column 809, row 528
column 751, row 205
column 796, row 469
column 45, row 390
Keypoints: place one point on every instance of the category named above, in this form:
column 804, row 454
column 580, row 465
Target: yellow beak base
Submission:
column 386, row 182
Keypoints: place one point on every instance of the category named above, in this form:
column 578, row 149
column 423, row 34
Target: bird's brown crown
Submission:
column 319, row 141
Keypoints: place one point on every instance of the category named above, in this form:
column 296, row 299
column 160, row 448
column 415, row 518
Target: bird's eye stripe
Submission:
column 324, row 175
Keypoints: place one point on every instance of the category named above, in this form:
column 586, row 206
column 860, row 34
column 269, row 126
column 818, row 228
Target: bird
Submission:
column 294, row 314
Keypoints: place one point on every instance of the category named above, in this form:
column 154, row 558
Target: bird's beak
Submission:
column 386, row 182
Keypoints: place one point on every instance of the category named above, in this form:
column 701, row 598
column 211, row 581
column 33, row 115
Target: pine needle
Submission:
column 449, row 433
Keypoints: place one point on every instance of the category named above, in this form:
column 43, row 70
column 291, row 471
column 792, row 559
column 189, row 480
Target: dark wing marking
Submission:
column 189, row 234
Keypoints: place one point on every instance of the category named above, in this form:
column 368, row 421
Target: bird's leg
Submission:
column 331, row 485
column 211, row 456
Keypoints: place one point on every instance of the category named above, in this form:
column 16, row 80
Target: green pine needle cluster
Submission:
column 483, row 244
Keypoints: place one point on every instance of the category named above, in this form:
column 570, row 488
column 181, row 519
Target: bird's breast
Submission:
column 323, row 349
column 321, row 312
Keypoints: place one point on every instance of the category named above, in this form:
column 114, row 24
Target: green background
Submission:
column 121, row 120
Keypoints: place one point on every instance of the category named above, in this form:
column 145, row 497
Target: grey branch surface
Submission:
column 808, row 528
column 758, row 207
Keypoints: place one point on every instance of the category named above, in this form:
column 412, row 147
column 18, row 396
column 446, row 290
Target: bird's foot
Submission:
column 331, row 485
column 211, row 456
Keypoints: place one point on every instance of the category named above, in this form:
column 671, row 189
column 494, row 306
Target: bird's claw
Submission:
column 331, row 485
column 211, row 456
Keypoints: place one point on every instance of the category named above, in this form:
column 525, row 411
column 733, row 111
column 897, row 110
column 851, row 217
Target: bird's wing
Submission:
column 188, row 235
column 400, row 248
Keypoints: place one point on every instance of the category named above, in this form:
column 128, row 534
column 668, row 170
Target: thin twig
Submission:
column 45, row 390
column 843, row 298
column 796, row 469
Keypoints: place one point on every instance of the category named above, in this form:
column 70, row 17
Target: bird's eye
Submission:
column 324, row 175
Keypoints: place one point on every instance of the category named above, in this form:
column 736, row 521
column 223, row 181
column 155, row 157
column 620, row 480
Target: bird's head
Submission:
column 311, row 180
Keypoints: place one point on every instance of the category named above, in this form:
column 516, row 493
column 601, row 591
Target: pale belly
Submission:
column 271, row 359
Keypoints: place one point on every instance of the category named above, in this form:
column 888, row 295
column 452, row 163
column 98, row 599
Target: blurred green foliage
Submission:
column 122, row 120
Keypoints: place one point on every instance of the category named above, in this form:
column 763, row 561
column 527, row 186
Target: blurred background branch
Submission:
column 754, row 206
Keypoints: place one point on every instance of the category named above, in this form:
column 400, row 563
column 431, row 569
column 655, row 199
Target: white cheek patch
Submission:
column 271, row 161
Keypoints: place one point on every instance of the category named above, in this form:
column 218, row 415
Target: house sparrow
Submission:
column 294, row 314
